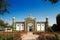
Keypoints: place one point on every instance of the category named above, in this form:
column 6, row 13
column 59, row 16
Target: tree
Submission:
column 49, row 29
column 54, row 27
column 4, row 6
column 3, row 24
column 52, row 1
column 58, row 19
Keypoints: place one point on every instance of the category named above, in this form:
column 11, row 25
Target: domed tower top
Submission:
column 13, row 17
column 14, row 20
column 30, row 17
column 47, row 19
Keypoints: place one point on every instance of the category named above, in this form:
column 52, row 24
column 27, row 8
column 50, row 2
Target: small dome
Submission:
column 47, row 17
column 30, row 17
column 13, row 17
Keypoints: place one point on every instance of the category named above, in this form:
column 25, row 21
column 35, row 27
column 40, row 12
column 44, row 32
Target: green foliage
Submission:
column 3, row 24
column 52, row 1
column 50, row 38
column 2, row 37
column 5, row 37
column 59, row 37
column 4, row 6
column 56, row 27
column 58, row 19
column 9, row 36
column 49, row 29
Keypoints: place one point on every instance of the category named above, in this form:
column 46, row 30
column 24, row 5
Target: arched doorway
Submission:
column 30, row 27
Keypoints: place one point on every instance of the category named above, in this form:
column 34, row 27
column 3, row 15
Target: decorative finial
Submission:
column 13, row 17
column 47, row 17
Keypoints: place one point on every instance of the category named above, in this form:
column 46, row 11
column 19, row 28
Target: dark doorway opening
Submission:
column 30, row 28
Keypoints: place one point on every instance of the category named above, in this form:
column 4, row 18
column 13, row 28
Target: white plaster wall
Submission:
column 42, row 27
column 38, row 27
column 19, row 27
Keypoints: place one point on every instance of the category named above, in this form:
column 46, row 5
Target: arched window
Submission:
column 38, row 27
column 20, row 27
column 42, row 27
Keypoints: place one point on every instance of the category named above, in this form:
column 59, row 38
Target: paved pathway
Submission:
column 29, row 36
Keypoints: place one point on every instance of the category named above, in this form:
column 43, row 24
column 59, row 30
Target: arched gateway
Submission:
column 30, row 25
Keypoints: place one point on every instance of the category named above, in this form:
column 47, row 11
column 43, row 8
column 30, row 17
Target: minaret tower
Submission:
column 14, row 23
column 46, row 24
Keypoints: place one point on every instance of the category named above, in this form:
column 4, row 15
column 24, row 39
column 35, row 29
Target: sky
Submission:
column 39, row 9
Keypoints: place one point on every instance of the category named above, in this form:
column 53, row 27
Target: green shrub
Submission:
column 52, row 37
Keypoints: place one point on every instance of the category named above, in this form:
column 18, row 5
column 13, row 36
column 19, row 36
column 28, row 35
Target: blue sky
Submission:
column 37, row 8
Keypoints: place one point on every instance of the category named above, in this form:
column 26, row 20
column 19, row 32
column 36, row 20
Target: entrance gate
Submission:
column 30, row 28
